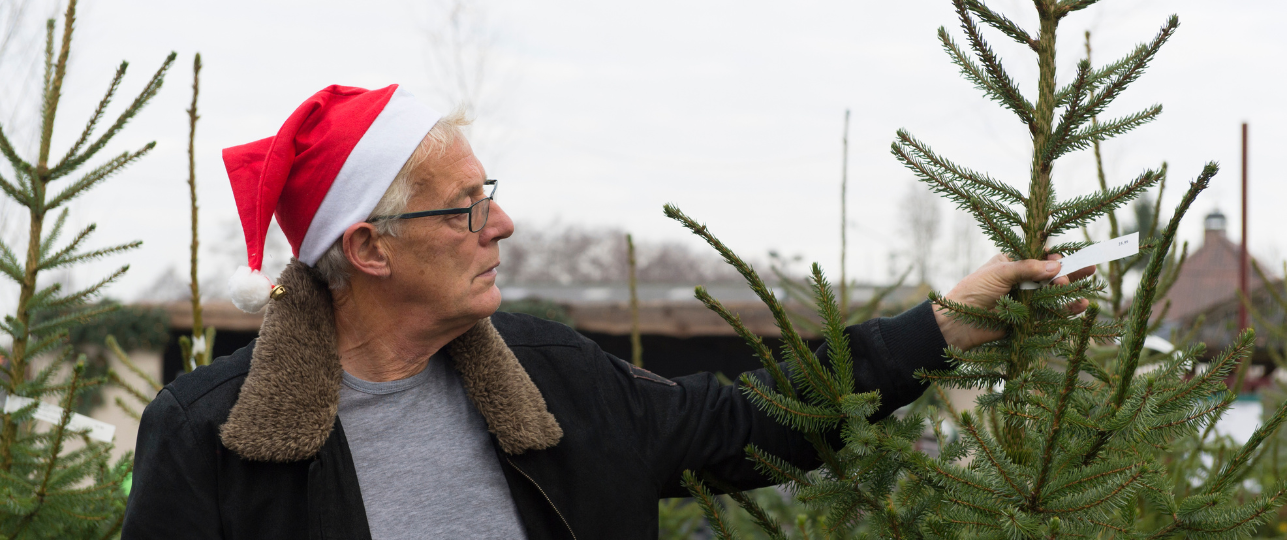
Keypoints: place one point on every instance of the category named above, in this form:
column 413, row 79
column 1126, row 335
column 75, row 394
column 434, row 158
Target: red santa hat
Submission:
column 326, row 169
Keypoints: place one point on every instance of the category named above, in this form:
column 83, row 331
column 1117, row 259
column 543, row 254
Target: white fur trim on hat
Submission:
column 249, row 289
column 368, row 171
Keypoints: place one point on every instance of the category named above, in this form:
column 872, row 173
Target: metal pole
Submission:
column 1242, row 255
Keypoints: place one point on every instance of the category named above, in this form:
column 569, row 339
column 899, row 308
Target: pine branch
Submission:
column 975, row 181
column 129, row 411
column 987, row 213
column 67, row 250
column 714, row 514
column 1135, row 67
column 53, row 86
column 98, row 175
column 770, row 526
column 1009, row 94
column 11, row 190
column 1061, row 408
column 1097, row 77
column 9, row 263
column 149, row 91
column 59, row 322
column 1075, row 5
column 120, row 354
column 89, row 255
column 1141, row 307
column 762, row 351
column 79, row 297
column 1235, row 467
column 1108, row 494
column 781, row 472
column 969, row 68
column 870, row 309
column 98, row 114
column 1055, row 142
column 834, row 334
column 790, row 412
column 53, row 234
column 116, row 380
column 56, row 447
column 977, row 317
column 1001, row 22
column 1098, row 132
column 1003, row 467
column 1235, row 354
column 1082, row 210
column 21, row 167
column 48, row 343
column 806, row 362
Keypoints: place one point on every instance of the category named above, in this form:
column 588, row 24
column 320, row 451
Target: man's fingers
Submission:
column 1029, row 270
column 1084, row 272
column 1078, row 306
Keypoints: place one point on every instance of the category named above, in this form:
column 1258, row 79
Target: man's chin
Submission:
column 488, row 302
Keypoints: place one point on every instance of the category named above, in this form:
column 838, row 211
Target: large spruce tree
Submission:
column 55, row 482
column 1063, row 444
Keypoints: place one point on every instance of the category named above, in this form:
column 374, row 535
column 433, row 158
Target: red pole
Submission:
column 1242, row 256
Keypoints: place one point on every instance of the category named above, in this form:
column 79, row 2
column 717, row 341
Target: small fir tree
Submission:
column 1062, row 445
column 56, row 482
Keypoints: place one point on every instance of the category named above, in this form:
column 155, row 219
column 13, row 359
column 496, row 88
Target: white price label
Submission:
column 98, row 429
column 1100, row 253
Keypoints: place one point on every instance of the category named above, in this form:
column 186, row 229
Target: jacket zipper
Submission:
column 547, row 497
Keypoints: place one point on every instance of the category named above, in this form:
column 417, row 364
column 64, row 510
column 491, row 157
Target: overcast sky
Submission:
column 604, row 111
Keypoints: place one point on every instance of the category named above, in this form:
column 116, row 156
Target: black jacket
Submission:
column 627, row 435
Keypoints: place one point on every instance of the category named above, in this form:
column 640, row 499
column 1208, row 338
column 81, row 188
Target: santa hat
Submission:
column 326, row 169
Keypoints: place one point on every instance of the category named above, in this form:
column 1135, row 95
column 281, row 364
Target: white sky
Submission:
column 732, row 110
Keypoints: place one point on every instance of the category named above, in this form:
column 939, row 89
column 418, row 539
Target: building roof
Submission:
column 1209, row 276
column 664, row 309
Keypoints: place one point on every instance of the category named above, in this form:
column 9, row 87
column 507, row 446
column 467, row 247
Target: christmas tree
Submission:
column 1063, row 444
column 55, row 481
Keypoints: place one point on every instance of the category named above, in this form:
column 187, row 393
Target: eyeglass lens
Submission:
column 478, row 214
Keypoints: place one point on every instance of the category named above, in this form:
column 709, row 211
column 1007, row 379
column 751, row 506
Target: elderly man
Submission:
column 385, row 397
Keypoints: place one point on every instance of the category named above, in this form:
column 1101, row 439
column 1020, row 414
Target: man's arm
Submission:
column 695, row 423
column 173, row 494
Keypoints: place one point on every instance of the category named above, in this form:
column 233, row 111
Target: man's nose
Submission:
column 499, row 225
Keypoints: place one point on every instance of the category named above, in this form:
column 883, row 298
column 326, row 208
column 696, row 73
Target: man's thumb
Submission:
column 1027, row 270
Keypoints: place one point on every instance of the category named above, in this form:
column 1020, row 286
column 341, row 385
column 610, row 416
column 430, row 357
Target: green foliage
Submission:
column 56, row 482
column 1072, row 438
column 536, row 307
column 132, row 328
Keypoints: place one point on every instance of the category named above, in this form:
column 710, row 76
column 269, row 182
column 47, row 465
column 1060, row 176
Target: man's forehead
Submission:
column 450, row 176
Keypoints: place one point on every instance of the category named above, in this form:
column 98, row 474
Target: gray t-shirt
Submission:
column 425, row 464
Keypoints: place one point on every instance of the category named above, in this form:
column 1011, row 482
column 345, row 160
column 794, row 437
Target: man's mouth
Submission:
column 490, row 272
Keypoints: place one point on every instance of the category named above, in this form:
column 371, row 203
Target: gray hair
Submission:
column 333, row 265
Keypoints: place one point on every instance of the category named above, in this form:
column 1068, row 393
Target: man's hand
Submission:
column 985, row 286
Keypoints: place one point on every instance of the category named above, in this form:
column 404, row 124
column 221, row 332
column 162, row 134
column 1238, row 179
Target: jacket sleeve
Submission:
column 174, row 494
column 694, row 422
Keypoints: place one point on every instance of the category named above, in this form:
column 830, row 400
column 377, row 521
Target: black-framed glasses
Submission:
column 477, row 211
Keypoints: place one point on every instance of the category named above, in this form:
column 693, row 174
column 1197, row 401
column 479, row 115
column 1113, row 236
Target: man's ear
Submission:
column 364, row 250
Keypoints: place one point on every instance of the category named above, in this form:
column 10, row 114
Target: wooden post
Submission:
column 636, row 341
column 844, row 218
column 1242, row 252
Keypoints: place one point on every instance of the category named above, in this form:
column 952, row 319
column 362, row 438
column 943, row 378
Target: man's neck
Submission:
column 378, row 342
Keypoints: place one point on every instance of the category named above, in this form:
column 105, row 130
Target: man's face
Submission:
column 437, row 264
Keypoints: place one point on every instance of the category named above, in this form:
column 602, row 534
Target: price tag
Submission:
column 1100, row 253
column 98, row 429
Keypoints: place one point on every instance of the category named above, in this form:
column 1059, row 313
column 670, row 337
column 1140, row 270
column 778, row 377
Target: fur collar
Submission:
column 288, row 404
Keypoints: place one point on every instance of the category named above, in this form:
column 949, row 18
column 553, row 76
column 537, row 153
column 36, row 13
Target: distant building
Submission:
column 1207, row 289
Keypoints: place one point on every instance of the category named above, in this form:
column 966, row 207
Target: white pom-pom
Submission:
column 249, row 289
